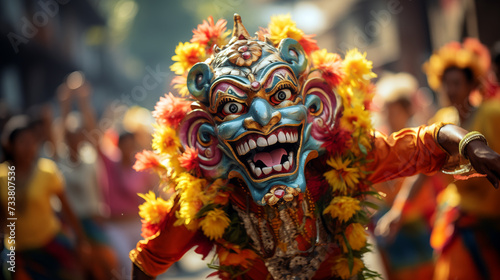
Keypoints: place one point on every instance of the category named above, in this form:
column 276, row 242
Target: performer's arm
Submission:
column 482, row 158
column 426, row 149
column 154, row 255
column 405, row 153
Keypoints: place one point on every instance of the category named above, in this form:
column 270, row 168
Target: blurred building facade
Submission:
column 118, row 43
column 42, row 41
column 399, row 35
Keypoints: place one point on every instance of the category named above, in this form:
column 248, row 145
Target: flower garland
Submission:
column 344, row 205
column 203, row 205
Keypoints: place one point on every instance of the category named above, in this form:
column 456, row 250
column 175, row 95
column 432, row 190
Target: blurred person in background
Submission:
column 120, row 183
column 403, row 234
column 42, row 117
column 78, row 164
column 493, row 86
column 467, row 226
column 42, row 250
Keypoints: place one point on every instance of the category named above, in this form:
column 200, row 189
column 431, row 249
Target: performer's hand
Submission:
column 484, row 160
column 388, row 225
column 137, row 274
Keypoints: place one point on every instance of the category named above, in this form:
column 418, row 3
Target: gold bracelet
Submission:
column 473, row 135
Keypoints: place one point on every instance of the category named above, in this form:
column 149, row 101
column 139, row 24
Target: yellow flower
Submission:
column 341, row 176
column 281, row 27
column 187, row 181
column 341, row 267
column 180, row 84
column 323, row 57
column 355, row 117
column 153, row 209
column 190, row 189
column 357, row 67
column 172, row 165
column 165, row 140
column 360, row 137
column 215, row 223
column 342, row 207
column 186, row 55
column 356, row 236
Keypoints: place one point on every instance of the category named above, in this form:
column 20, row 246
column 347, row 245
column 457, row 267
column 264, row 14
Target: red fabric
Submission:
column 157, row 253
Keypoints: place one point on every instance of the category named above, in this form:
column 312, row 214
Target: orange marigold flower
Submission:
column 232, row 255
column 146, row 160
column 189, row 160
column 221, row 198
column 262, row 33
column 186, row 55
column 170, row 110
column 209, row 34
column 330, row 64
column 308, row 43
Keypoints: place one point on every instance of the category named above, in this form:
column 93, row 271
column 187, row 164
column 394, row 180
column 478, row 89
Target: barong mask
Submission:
column 259, row 115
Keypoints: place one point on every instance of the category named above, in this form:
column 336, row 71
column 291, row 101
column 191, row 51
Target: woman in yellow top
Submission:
column 467, row 229
column 35, row 247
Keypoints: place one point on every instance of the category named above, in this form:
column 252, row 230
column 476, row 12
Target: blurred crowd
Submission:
column 444, row 225
column 87, row 232
column 76, row 189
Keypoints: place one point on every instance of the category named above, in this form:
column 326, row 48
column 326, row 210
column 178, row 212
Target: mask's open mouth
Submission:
column 268, row 155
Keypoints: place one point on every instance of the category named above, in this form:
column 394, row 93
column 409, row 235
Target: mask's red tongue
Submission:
column 270, row 159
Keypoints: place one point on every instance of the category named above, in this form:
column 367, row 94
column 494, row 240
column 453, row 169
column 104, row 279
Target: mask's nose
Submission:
column 262, row 116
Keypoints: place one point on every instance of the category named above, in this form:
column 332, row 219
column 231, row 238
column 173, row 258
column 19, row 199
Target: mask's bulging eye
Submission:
column 281, row 95
column 232, row 108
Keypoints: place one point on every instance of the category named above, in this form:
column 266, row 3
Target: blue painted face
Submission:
column 256, row 117
column 263, row 130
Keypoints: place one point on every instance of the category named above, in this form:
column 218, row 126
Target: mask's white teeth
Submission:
column 257, row 171
column 278, row 167
column 286, row 165
column 296, row 137
column 272, row 139
column 252, row 144
column 238, row 149
column 288, row 138
column 261, row 142
column 267, row 170
column 290, row 158
column 281, row 137
column 247, row 149
column 252, row 165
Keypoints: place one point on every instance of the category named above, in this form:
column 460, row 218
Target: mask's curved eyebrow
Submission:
column 225, row 89
column 278, row 76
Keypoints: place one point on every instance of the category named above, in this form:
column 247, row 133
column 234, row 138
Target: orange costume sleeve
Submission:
column 155, row 254
column 405, row 153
